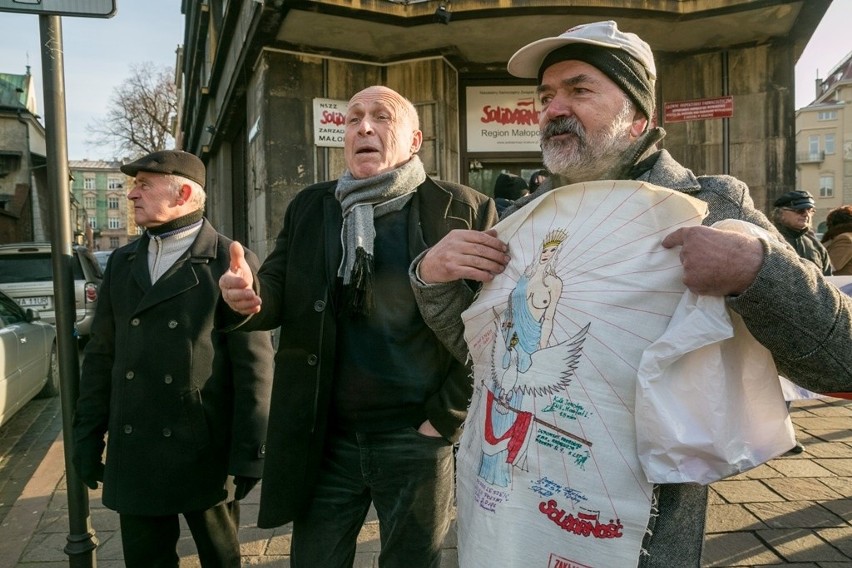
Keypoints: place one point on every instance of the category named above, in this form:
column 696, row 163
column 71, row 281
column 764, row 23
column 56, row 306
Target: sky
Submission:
column 98, row 52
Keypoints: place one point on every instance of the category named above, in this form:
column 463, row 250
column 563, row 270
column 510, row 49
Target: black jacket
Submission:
column 297, row 284
column 185, row 405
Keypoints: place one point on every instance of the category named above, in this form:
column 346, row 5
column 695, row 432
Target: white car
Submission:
column 28, row 363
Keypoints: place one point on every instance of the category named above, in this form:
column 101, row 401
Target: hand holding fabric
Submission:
column 464, row 254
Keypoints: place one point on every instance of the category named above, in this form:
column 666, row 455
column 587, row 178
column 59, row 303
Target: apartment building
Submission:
column 824, row 143
column 103, row 220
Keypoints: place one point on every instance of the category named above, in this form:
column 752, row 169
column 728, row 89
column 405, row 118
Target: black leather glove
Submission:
column 244, row 485
column 90, row 471
column 88, row 464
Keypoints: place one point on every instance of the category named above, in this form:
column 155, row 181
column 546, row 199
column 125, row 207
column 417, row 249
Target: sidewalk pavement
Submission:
column 791, row 511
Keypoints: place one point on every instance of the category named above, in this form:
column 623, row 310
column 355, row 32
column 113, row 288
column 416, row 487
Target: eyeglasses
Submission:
column 809, row 211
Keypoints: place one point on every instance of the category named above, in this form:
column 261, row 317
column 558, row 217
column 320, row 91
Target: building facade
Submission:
column 23, row 163
column 103, row 220
column 264, row 84
column 824, row 143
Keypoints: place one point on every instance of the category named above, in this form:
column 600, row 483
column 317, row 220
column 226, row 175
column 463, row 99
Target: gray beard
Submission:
column 583, row 158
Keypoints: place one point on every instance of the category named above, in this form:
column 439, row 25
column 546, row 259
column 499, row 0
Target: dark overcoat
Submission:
column 297, row 284
column 185, row 405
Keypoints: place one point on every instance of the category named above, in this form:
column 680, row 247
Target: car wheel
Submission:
column 51, row 387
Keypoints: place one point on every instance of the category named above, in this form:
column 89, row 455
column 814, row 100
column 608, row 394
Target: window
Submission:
column 827, row 115
column 113, row 242
column 813, row 145
column 114, row 223
column 112, row 202
column 115, row 183
column 829, row 144
column 826, row 186
column 89, row 182
column 93, row 222
column 89, row 202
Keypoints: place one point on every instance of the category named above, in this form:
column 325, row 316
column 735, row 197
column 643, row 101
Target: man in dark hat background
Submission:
column 597, row 99
column 185, row 406
column 507, row 188
column 792, row 215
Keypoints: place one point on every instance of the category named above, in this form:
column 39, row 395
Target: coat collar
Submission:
column 176, row 280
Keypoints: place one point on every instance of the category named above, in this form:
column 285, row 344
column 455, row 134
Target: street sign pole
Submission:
column 81, row 538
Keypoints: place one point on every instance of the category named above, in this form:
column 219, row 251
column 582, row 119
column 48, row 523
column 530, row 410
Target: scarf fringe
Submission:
column 361, row 286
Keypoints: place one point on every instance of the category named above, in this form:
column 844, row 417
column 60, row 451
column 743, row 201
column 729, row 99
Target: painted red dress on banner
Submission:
column 548, row 472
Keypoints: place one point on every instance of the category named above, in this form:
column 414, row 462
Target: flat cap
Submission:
column 795, row 200
column 174, row 162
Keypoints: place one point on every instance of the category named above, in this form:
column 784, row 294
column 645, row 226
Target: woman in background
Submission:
column 838, row 239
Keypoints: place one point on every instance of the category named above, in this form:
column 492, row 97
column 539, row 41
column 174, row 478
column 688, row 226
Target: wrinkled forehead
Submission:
column 377, row 99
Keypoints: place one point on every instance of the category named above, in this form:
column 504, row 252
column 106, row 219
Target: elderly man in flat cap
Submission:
column 597, row 108
column 792, row 215
column 185, row 406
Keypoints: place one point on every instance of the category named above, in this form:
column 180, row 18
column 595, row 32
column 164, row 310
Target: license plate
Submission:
column 37, row 302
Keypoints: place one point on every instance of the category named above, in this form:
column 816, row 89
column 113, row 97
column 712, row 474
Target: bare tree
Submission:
column 140, row 114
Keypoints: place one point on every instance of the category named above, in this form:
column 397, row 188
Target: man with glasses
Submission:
column 792, row 215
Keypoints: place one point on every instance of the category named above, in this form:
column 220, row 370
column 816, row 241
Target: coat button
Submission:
column 312, row 360
column 167, row 379
column 134, row 322
column 173, row 324
column 128, row 428
column 261, row 451
column 129, row 376
column 319, row 306
column 167, row 433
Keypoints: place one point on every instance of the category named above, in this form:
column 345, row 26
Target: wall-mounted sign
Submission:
column 502, row 119
column 329, row 122
column 699, row 109
column 90, row 8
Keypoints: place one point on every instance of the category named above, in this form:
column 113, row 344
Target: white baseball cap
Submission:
column 527, row 61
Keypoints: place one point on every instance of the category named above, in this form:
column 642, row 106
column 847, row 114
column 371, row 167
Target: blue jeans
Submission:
column 409, row 479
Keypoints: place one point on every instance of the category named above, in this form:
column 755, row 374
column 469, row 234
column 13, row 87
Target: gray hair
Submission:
column 198, row 195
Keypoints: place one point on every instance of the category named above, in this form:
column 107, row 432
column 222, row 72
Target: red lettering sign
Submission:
column 524, row 113
column 332, row 117
column 700, row 109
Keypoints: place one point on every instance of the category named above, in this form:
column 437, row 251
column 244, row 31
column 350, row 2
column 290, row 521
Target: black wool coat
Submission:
column 184, row 405
column 297, row 284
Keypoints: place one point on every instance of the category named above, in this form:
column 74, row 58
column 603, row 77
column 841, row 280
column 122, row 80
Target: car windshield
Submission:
column 15, row 268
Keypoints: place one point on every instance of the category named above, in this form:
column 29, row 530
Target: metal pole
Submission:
column 81, row 538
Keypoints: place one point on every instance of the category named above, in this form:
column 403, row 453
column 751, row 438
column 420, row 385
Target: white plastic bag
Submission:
column 708, row 401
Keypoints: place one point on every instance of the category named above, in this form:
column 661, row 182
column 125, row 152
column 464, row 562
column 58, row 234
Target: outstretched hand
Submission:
column 236, row 284
column 716, row 262
column 464, row 255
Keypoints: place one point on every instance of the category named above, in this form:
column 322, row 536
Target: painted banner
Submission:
column 548, row 470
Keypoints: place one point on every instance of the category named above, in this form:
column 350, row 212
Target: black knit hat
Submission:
column 174, row 162
column 624, row 70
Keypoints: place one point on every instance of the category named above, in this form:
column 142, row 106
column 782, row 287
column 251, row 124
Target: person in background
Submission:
column 367, row 402
column 792, row 215
column 537, row 178
column 507, row 188
column 596, row 89
column 185, row 407
column 838, row 239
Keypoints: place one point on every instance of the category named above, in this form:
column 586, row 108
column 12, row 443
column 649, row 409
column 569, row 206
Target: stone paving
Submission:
column 791, row 511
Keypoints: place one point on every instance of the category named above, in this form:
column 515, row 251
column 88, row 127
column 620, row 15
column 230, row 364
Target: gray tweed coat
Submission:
column 804, row 321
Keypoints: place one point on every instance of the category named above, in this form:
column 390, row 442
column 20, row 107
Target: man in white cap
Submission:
column 596, row 94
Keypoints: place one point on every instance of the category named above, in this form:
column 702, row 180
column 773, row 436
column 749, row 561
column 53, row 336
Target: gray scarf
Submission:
column 364, row 200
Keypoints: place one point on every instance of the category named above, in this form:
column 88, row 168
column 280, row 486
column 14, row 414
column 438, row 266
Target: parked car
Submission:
column 26, row 276
column 28, row 352
column 102, row 256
